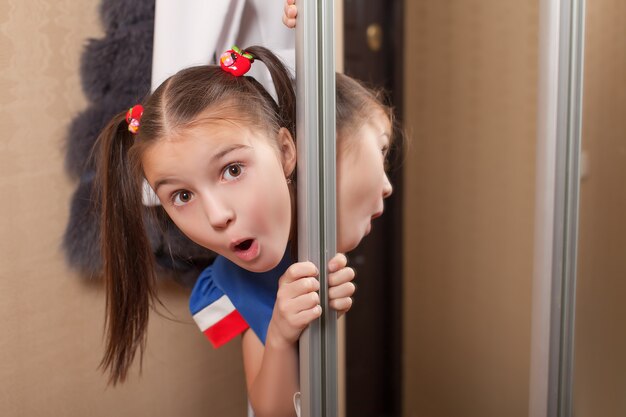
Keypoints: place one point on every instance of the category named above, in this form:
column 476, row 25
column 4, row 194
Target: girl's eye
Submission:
column 232, row 171
column 385, row 152
column 180, row 198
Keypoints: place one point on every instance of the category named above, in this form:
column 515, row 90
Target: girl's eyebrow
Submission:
column 227, row 150
column 162, row 182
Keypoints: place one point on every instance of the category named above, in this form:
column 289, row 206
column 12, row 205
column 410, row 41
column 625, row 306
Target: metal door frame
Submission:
column 315, row 86
column 561, row 51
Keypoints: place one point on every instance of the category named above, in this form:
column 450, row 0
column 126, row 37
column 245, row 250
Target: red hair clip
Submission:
column 236, row 61
column 133, row 118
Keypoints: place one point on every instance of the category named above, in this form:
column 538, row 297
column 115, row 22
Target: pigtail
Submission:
column 127, row 256
column 283, row 83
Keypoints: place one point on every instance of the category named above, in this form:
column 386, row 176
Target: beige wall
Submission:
column 52, row 319
column 471, row 76
column 600, row 332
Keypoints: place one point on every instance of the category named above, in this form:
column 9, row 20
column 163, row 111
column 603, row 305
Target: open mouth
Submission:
column 247, row 249
column 245, row 245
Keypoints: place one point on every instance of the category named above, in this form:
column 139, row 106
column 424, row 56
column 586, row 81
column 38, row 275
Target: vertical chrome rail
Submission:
column 556, row 230
column 315, row 85
column 569, row 148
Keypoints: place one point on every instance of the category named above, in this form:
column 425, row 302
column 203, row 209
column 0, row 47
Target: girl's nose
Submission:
column 387, row 188
column 218, row 213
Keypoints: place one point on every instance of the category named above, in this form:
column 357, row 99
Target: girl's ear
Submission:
column 287, row 148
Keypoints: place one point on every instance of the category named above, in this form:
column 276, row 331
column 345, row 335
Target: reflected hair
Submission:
column 356, row 103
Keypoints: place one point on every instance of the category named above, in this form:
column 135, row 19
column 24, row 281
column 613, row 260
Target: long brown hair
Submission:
column 181, row 101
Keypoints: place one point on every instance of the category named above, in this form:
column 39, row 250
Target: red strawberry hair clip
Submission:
column 236, row 61
column 133, row 118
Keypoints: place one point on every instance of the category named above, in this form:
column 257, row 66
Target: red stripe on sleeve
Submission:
column 226, row 329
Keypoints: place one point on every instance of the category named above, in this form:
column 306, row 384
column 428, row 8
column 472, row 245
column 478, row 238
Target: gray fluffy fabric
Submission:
column 115, row 74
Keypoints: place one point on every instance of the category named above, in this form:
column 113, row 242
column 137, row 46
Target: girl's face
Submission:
column 224, row 186
column 362, row 183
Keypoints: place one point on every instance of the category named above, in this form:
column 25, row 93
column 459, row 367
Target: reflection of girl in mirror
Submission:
column 219, row 152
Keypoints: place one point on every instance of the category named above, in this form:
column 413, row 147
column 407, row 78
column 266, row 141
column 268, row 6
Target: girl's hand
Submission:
column 291, row 11
column 340, row 285
column 297, row 303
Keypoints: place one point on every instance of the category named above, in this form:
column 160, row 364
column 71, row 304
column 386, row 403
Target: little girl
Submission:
column 219, row 153
column 227, row 300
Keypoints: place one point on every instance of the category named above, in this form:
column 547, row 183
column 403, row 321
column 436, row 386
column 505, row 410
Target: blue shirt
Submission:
column 253, row 294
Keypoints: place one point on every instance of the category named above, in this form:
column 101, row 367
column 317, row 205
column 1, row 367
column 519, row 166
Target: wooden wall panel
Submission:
column 600, row 339
column 470, row 108
column 52, row 319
